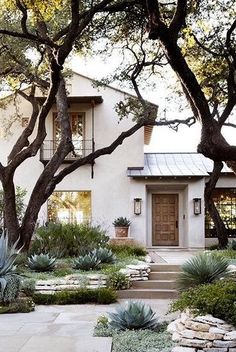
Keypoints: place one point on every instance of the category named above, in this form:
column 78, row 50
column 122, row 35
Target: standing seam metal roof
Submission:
column 175, row 165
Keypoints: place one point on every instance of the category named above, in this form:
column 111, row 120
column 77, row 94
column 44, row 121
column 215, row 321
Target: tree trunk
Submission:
column 211, row 208
column 11, row 222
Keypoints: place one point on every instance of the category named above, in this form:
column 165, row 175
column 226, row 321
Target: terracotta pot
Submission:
column 121, row 231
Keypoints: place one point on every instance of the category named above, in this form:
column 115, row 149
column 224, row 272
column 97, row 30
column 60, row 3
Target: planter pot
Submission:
column 121, row 231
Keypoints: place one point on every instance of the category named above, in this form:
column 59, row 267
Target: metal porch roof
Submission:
column 174, row 165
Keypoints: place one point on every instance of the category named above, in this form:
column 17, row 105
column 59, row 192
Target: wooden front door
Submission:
column 165, row 220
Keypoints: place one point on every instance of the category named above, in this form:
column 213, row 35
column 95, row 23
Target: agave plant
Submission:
column 41, row 262
column 8, row 257
column 134, row 316
column 105, row 255
column 204, row 268
column 87, row 262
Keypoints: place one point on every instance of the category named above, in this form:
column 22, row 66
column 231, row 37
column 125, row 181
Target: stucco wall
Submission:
column 191, row 227
column 110, row 185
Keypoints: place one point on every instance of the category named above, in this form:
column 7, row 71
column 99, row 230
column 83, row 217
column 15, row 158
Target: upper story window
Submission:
column 77, row 123
column 82, row 146
column 225, row 201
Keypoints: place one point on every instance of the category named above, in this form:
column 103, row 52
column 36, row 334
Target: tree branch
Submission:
column 178, row 20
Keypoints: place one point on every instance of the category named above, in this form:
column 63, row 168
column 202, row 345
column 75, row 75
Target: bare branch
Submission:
column 230, row 124
column 24, row 18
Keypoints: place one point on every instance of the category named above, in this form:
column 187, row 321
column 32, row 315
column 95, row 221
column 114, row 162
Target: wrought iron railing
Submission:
column 81, row 149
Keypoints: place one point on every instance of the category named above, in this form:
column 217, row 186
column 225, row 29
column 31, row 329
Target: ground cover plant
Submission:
column 134, row 328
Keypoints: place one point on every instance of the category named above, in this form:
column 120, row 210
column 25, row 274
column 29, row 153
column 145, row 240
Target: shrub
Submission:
column 22, row 260
column 105, row 255
column 21, row 305
column 135, row 315
column 118, row 281
column 201, row 269
column 217, row 299
column 12, row 288
column 228, row 253
column 28, row 286
column 128, row 249
column 41, row 262
column 9, row 280
column 80, row 296
column 62, row 240
column 87, row 262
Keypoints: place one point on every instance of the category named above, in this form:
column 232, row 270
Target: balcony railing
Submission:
column 81, row 149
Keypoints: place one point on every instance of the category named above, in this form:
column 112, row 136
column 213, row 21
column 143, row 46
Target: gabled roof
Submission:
column 174, row 165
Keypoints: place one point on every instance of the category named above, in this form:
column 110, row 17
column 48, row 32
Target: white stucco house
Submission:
column 161, row 193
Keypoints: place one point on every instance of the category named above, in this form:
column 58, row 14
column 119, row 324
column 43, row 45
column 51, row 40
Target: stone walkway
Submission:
column 60, row 328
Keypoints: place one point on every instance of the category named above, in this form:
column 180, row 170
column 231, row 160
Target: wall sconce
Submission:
column 137, row 206
column 197, row 206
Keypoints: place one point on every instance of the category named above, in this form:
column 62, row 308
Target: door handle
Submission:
column 176, row 224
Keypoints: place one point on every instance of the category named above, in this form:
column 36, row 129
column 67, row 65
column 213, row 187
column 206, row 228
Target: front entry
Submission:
column 165, row 220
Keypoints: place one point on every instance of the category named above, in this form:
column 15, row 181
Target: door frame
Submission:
column 176, row 219
column 183, row 211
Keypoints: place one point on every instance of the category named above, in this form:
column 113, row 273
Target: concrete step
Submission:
column 165, row 267
column 163, row 275
column 155, row 284
column 147, row 293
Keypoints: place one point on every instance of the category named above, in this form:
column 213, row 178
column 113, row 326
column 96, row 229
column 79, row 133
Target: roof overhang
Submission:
column 91, row 99
column 147, row 134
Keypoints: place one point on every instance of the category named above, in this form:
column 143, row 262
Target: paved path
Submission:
column 60, row 328
column 172, row 257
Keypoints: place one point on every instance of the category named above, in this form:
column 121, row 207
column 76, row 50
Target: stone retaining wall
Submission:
column 135, row 272
column 202, row 333
column 71, row 282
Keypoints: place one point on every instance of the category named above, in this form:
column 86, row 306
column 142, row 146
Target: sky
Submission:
column 163, row 139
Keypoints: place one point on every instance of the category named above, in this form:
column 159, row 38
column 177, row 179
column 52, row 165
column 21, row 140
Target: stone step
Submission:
column 147, row 293
column 163, row 275
column 165, row 267
column 155, row 284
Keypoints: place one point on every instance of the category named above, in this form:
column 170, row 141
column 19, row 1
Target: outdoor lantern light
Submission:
column 137, row 206
column 197, row 206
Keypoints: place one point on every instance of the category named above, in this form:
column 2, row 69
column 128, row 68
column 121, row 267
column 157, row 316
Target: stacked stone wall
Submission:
column 202, row 333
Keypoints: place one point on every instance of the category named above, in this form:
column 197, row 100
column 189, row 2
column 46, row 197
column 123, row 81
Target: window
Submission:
column 69, row 207
column 77, row 122
column 225, row 201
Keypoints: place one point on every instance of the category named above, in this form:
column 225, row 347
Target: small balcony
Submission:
column 81, row 149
